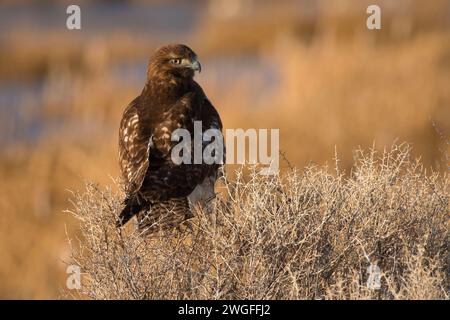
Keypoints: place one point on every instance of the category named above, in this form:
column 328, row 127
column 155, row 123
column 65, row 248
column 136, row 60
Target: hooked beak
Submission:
column 196, row 66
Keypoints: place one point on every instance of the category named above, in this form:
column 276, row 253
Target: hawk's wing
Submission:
column 210, row 116
column 211, row 120
column 134, row 148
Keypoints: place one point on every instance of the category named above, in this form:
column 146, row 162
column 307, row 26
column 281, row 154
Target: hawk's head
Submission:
column 175, row 60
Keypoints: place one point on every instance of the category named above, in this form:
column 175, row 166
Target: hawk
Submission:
column 159, row 192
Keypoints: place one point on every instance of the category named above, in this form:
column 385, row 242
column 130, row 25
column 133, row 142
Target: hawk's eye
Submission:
column 175, row 61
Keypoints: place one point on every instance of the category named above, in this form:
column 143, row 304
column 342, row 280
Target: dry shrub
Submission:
column 300, row 235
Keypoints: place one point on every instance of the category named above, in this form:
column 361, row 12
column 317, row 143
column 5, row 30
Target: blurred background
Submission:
column 310, row 68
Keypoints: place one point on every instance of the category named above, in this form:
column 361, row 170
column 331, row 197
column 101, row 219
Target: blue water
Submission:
column 101, row 17
column 20, row 112
column 20, row 102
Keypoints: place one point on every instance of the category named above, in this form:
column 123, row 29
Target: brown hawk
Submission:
column 158, row 191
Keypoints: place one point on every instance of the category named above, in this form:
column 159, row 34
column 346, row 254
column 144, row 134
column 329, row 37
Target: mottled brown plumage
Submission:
column 157, row 189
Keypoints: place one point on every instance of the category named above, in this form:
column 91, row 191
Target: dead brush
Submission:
column 308, row 234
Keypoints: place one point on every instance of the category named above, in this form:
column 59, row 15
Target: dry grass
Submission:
column 300, row 235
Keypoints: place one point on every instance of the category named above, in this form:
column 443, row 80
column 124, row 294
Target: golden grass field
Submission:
column 330, row 85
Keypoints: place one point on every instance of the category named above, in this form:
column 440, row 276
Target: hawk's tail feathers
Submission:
column 164, row 215
column 132, row 207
